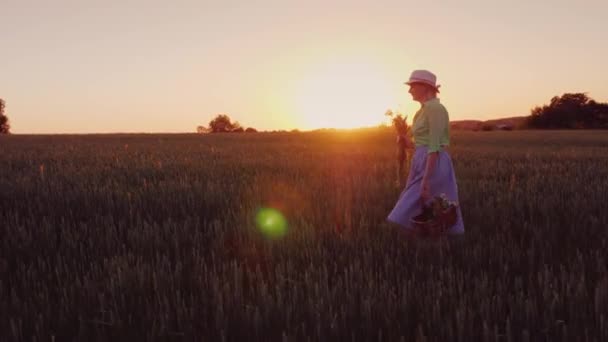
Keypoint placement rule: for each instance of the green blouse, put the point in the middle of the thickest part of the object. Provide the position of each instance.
(431, 126)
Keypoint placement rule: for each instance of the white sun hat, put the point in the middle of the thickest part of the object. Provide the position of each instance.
(424, 76)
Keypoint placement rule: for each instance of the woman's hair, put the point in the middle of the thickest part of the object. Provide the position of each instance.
(431, 89)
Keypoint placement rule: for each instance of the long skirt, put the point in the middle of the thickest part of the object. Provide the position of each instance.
(441, 181)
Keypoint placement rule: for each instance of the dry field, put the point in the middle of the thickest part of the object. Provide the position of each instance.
(154, 237)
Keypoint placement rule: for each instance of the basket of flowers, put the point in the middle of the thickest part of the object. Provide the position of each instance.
(437, 216)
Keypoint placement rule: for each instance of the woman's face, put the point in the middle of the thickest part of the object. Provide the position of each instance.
(418, 91)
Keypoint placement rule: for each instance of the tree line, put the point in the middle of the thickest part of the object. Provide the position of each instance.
(569, 111)
(5, 126)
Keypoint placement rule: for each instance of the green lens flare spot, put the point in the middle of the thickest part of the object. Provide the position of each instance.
(271, 223)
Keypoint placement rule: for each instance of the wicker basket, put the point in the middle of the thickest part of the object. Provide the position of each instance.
(436, 226)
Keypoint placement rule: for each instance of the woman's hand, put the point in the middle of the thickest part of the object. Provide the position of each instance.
(409, 143)
(405, 140)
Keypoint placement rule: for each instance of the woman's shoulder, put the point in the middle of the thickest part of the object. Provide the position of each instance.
(437, 107)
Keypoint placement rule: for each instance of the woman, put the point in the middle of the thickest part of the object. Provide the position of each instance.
(431, 172)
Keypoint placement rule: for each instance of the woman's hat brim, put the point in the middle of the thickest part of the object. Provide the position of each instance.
(436, 87)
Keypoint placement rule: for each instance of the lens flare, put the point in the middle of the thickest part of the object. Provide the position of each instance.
(271, 222)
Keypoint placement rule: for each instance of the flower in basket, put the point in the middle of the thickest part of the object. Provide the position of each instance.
(437, 216)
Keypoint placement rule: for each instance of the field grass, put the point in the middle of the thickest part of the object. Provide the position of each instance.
(153, 237)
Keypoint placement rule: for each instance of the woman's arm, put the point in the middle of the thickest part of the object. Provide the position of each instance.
(437, 122)
(431, 162)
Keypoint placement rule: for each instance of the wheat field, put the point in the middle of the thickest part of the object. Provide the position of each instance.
(154, 238)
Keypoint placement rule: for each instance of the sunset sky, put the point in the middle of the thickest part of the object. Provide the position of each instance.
(168, 66)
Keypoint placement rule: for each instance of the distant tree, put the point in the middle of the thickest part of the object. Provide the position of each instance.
(201, 129)
(221, 123)
(600, 112)
(251, 130)
(571, 110)
(5, 127)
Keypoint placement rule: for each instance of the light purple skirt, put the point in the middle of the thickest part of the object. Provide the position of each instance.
(443, 180)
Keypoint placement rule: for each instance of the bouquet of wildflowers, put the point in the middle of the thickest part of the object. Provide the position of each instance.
(399, 123)
(403, 132)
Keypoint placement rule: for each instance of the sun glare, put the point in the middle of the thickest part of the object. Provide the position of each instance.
(344, 94)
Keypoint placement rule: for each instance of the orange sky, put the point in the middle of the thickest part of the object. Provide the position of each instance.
(157, 66)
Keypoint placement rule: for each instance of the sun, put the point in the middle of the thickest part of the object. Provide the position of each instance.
(344, 94)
